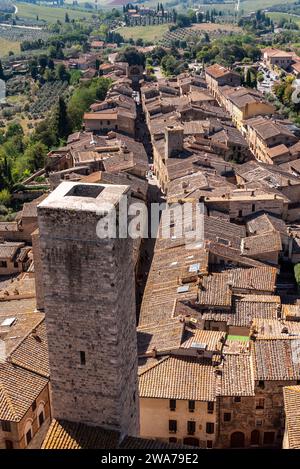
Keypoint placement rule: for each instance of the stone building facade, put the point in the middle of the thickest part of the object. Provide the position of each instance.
(89, 301)
(26, 432)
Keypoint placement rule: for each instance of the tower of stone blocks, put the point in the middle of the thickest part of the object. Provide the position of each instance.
(89, 300)
(173, 140)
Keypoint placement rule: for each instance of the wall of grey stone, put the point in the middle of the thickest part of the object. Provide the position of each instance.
(38, 270)
(89, 295)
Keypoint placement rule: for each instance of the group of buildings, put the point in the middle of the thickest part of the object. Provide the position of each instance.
(218, 332)
(213, 359)
(280, 59)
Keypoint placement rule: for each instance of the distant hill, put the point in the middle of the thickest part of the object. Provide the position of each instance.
(6, 6)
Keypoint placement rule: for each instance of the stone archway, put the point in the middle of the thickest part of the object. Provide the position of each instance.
(237, 440)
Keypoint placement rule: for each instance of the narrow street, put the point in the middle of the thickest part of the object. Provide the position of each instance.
(154, 196)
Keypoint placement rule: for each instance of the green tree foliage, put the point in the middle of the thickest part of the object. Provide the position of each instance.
(6, 178)
(227, 50)
(169, 64)
(14, 129)
(5, 197)
(297, 274)
(183, 21)
(251, 80)
(44, 133)
(157, 54)
(83, 97)
(60, 120)
(258, 24)
(75, 76)
(35, 154)
(61, 73)
(283, 91)
(132, 56)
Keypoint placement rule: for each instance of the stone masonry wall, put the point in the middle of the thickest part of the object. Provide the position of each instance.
(90, 308)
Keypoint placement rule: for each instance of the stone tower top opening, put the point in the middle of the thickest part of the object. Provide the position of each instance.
(84, 197)
(84, 190)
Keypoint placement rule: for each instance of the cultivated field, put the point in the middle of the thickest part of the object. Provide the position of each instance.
(211, 27)
(245, 6)
(7, 46)
(253, 5)
(147, 33)
(49, 14)
(277, 16)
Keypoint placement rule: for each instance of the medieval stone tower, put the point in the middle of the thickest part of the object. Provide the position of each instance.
(89, 298)
(174, 140)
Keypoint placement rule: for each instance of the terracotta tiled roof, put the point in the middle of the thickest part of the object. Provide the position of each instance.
(277, 53)
(30, 208)
(212, 339)
(291, 396)
(262, 222)
(237, 377)
(179, 378)
(32, 353)
(260, 244)
(162, 337)
(103, 115)
(274, 359)
(270, 176)
(214, 291)
(70, 435)
(131, 442)
(20, 325)
(267, 128)
(232, 255)
(255, 278)
(279, 150)
(8, 250)
(291, 312)
(8, 226)
(254, 306)
(168, 267)
(267, 328)
(18, 389)
(217, 71)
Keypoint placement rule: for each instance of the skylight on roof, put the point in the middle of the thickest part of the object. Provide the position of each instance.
(194, 267)
(183, 289)
(223, 241)
(8, 322)
(199, 345)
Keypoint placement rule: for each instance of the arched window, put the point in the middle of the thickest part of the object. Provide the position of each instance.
(28, 433)
(41, 413)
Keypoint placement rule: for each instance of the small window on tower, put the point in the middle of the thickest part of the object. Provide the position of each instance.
(82, 358)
